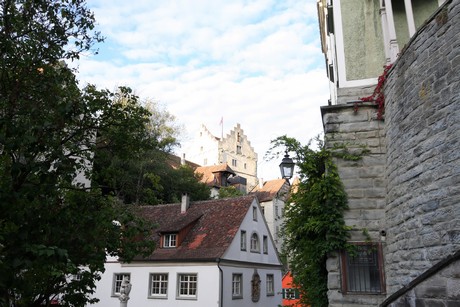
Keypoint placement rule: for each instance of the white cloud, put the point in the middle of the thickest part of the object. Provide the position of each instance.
(257, 63)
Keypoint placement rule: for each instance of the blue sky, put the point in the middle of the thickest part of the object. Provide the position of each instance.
(257, 63)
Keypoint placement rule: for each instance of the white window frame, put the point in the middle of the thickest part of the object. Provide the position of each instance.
(169, 240)
(270, 283)
(243, 240)
(189, 283)
(161, 284)
(255, 243)
(117, 280)
(237, 286)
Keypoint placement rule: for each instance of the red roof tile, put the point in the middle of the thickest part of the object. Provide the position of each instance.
(211, 226)
(270, 189)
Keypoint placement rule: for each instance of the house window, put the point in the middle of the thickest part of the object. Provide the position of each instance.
(237, 286)
(245, 166)
(243, 240)
(238, 149)
(362, 269)
(291, 294)
(255, 243)
(270, 285)
(170, 240)
(117, 280)
(158, 285)
(254, 213)
(265, 245)
(234, 162)
(277, 215)
(187, 285)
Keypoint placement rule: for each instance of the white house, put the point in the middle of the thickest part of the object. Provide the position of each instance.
(272, 196)
(208, 253)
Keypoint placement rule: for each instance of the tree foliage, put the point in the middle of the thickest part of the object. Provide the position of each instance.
(152, 176)
(314, 224)
(52, 225)
(230, 191)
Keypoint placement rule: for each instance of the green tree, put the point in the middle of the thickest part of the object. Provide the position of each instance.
(151, 177)
(314, 224)
(230, 191)
(52, 224)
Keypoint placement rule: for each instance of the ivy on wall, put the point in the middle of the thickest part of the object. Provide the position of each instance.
(314, 224)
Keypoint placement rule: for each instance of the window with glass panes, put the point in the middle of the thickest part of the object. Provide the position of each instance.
(270, 284)
(170, 240)
(187, 285)
(117, 280)
(255, 243)
(158, 284)
(237, 286)
(243, 240)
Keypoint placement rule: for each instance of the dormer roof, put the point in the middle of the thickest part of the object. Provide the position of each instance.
(210, 172)
(210, 227)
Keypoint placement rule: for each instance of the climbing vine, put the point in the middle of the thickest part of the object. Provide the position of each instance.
(378, 96)
(314, 224)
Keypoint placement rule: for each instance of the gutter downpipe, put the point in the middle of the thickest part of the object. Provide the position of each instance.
(221, 282)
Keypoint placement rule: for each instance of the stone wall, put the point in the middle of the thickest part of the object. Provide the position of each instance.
(439, 286)
(422, 96)
(363, 181)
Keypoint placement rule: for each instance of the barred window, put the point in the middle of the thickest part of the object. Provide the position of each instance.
(362, 269)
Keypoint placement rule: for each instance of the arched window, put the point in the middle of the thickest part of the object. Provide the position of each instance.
(255, 245)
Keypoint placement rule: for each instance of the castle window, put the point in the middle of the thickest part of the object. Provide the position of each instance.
(362, 269)
(234, 162)
(238, 149)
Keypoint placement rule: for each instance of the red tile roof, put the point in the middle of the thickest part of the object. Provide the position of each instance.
(209, 173)
(270, 189)
(210, 227)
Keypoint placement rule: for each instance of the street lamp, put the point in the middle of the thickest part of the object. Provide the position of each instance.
(287, 167)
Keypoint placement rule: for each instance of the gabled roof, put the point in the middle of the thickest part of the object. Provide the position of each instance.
(271, 189)
(209, 172)
(210, 227)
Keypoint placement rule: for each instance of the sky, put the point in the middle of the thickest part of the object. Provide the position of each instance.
(253, 62)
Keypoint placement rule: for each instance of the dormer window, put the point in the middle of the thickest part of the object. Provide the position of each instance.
(169, 240)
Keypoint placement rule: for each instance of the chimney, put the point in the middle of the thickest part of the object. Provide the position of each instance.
(261, 183)
(182, 160)
(185, 203)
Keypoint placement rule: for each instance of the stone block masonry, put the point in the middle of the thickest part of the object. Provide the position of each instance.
(422, 96)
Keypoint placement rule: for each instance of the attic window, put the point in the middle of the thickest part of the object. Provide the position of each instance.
(255, 245)
(170, 240)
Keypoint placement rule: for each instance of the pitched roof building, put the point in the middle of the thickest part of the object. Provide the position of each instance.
(234, 149)
(272, 196)
(208, 253)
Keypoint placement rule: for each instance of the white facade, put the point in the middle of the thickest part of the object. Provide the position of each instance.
(215, 280)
